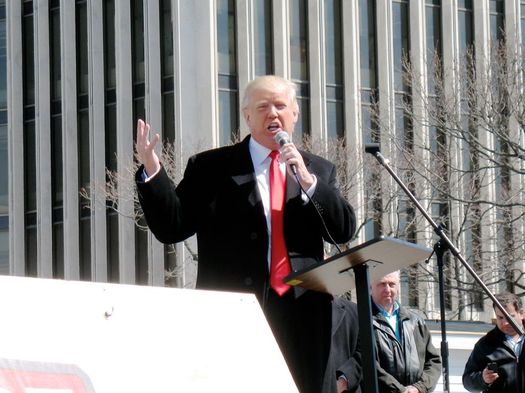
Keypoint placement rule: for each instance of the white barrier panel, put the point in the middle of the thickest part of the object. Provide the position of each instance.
(80, 337)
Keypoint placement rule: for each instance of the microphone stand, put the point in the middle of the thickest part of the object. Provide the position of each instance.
(441, 246)
(440, 249)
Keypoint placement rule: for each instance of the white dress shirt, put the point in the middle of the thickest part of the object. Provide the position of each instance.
(261, 164)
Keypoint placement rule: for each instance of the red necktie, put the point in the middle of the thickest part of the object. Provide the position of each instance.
(280, 265)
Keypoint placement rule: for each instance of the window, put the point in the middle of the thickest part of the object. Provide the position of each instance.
(263, 44)
(83, 135)
(299, 63)
(334, 69)
(497, 20)
(369, 128)
(4, 218)
(466, 25)
(227, 64)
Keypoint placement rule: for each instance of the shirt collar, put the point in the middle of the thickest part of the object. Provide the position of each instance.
(385, 313)
(509, 338)
(258, 152)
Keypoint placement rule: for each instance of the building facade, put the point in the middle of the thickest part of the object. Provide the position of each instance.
(76, 75)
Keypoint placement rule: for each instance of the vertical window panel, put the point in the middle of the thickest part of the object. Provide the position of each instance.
(85, 248)
(84, 180)
(166, 31)
(137, 48)
(30, 199)
(28, 55)
(299, 39)
(369, 129)
(139, 111)
(3, 58)
(57, 193)
(112, 255)
(82, 48)
(466, 26)
(497, 20)
(368, 69)
(110, 85)
(29, 139)
(83, 139)
(227, 64)
(403, 130)
(31, 241)
(333, 42)
(401, 47)
(367, 44)
(56, 106)
(166, 38)
(299, 63)
(522, 21)
(4, 175)
(58, 244)
(110, 116)
(263, 44)
(334, 69)
(434, 42)
(109, 43)
(137, 58)
(141, 258)
(3, 120)
(55, 66)
(4, 245)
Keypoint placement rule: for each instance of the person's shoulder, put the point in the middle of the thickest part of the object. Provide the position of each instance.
(343, 305)
(487, 343)
(219, 153)
(317, 163)
(405, 312)
(493, 336)
(342, 301)
(314, 157)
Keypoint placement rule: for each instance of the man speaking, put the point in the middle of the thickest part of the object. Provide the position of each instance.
(256, 221)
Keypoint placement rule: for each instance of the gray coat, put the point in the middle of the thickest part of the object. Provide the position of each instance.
(345, 354)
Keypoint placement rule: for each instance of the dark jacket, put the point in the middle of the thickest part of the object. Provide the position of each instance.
(493, 348)
(345, 353)
(218, 200)
(413, 361)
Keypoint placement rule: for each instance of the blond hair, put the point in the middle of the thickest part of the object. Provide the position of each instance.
(270, 82)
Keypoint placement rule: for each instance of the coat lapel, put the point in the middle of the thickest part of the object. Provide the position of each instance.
(243, 174)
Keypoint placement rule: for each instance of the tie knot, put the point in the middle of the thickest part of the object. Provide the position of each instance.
(274, 154)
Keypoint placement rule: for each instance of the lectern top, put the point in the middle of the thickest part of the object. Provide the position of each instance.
(382, 255)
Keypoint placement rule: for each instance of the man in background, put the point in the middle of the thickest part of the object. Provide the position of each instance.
(407, 362)
(496, 362)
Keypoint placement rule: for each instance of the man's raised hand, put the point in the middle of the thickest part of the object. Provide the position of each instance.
(145, 148)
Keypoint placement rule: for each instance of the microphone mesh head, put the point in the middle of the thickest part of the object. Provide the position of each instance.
(282, 138)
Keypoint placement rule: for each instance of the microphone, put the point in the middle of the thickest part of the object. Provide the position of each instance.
(282, 138)
(372, 148)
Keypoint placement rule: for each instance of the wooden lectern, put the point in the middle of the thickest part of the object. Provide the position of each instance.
(355, 268)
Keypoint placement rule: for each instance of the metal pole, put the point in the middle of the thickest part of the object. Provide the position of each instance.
(440, 251)
(366, 329)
